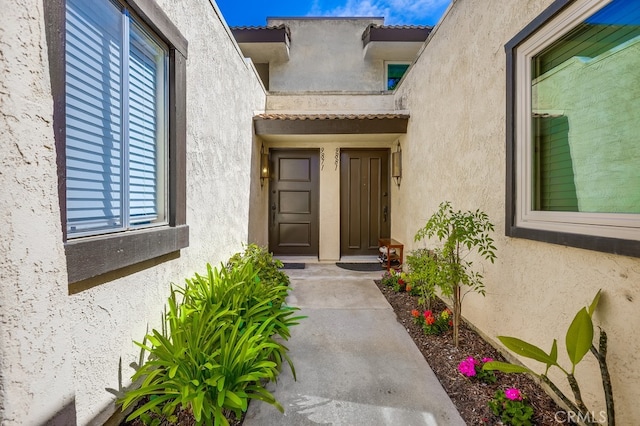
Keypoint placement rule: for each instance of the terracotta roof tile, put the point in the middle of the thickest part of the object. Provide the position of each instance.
(302, 117)
(270, 27)
(403, 27)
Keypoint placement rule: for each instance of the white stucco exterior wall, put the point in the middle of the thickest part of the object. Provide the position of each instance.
(326, 55)
(455, 150)
(59, 349)
(36, 366)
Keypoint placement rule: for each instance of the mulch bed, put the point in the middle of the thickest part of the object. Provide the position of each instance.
(469, 396)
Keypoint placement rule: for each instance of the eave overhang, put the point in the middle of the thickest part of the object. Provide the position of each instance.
(264, 44)
(393, 43)
(330, 124)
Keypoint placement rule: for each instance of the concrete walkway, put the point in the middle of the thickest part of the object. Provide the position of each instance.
(355, 364)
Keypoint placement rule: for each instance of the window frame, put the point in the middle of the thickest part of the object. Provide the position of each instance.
(386, 73)
(92, 256)
(609, 233)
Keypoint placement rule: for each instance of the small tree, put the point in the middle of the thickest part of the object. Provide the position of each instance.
(462, 233)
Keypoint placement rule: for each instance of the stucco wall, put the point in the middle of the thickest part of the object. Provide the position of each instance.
(455, 150)
(36, 367)
(330, 102)
(326, 55)
(54, 346)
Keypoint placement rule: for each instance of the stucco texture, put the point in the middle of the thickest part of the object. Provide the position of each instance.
(455, 150)
(35, 348)
(314, 67)
(59, 349)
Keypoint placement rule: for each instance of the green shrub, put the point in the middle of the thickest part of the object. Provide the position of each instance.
(267, 267)
(217, 347)
(421, 271)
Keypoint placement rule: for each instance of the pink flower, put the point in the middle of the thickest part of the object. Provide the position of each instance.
(513, 394)
(485, 360)
(427, 314)
(467, 367)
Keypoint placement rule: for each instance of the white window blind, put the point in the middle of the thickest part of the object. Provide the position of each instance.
(115, 121)
(146, 98)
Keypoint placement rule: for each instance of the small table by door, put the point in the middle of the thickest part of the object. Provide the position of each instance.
(394, 251)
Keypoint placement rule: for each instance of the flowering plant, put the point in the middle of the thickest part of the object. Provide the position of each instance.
(471, 367)
(433, 324)
(511, 406)
(395, 279)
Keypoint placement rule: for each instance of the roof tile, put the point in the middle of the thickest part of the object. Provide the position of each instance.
(302, 117)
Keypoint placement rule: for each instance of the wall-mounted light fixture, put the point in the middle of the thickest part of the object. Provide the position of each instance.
(396, 165)
(264, 165)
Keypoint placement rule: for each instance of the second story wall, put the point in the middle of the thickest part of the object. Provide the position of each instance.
(326, 55)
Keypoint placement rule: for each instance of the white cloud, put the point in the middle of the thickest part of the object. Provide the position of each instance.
(394, 11)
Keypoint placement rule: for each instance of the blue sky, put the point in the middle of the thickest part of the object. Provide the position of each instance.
(395, 12)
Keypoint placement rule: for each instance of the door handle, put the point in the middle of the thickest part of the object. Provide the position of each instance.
(273, 214)
(385, 212)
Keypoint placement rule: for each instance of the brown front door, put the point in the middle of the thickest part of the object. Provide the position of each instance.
(364, 200)
(293, 202)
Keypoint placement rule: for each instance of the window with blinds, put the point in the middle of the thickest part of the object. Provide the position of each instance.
(116, 121)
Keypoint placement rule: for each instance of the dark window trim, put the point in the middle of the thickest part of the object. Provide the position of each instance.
(589, 242)
(93, 256)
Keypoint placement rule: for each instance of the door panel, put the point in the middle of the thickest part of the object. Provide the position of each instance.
(293, 202)
(364, 200)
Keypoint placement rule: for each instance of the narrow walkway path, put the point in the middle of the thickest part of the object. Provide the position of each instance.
(355, 363)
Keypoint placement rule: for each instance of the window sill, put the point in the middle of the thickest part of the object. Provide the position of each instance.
(588, 242)
(90, 257)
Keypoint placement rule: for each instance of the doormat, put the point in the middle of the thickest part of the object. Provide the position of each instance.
(293, 266)
(360, 267)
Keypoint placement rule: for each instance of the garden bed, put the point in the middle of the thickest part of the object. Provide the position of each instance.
(470, 396)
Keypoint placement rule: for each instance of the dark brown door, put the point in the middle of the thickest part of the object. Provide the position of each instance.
(364, 200)
(293, 202)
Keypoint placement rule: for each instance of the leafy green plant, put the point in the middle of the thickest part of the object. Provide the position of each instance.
(462, 233)
(511, 406)
(217, 346)
(267, 268)
(421, 266)
(394, 279)
(578, 341)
